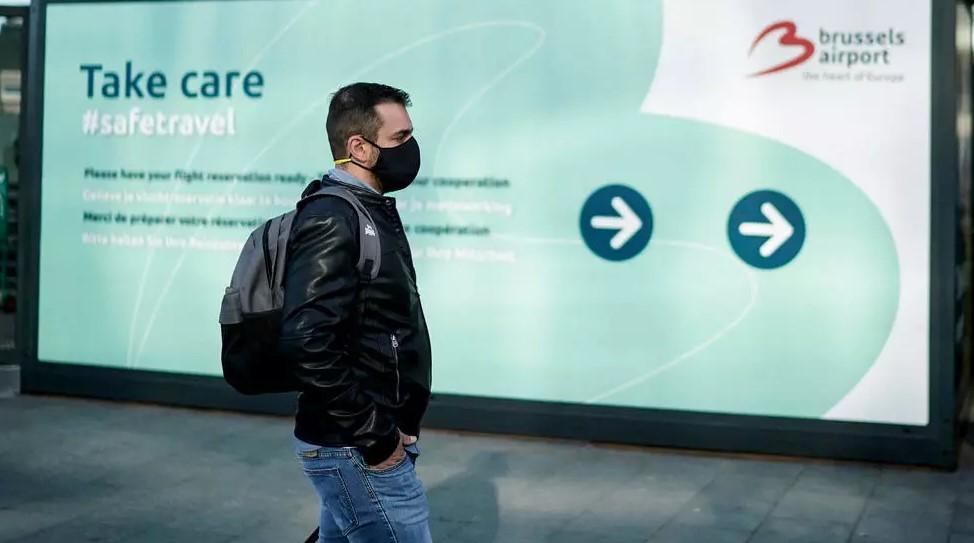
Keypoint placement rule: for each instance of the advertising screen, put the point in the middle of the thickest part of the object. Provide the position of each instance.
(714, 206)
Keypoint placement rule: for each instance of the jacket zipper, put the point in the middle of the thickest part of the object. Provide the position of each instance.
(395, 357)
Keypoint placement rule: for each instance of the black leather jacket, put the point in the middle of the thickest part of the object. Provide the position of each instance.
(360, 349)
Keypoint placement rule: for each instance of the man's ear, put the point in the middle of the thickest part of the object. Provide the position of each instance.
(359, 149)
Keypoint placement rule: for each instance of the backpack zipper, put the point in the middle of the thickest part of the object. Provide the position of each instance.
(395, 357)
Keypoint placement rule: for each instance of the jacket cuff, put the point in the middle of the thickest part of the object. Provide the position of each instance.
(381, 450)
(410, 430)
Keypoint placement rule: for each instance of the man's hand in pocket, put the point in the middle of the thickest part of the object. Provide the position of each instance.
(398, 454)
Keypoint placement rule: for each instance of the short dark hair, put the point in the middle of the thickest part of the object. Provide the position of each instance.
(352, 111)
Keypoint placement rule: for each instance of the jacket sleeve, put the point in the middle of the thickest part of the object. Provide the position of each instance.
(320, 287)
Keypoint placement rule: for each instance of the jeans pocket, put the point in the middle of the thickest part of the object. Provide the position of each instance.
(412, 451)
(405, 460)
(331, 488)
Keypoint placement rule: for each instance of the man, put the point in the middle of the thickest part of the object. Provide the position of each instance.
(360, 348)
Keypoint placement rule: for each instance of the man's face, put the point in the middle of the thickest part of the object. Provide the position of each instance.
(396, 126)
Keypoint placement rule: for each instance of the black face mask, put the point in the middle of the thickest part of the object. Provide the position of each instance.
(396, 166)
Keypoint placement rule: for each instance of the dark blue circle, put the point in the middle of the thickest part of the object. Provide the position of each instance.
(599, 204)
(748, 247)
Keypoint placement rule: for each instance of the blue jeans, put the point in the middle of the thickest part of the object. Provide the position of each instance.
(361, 505)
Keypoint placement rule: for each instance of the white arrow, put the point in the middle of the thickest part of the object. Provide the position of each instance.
(627, 223)
(778, 230)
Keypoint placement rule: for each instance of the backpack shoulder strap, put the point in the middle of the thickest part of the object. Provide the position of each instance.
(370, 250)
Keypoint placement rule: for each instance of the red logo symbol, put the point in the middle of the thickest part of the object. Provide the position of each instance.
(789, 39)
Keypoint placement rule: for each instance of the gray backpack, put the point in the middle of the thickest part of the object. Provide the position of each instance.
(250, 315)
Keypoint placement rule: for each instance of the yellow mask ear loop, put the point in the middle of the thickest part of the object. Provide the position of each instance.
(341, 161)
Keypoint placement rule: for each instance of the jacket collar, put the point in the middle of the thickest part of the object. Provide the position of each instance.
(362, 194)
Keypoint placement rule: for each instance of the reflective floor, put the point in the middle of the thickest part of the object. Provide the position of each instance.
(78, 470)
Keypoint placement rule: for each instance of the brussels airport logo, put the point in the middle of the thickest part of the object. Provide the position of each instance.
(789, 39)
(833, 56)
